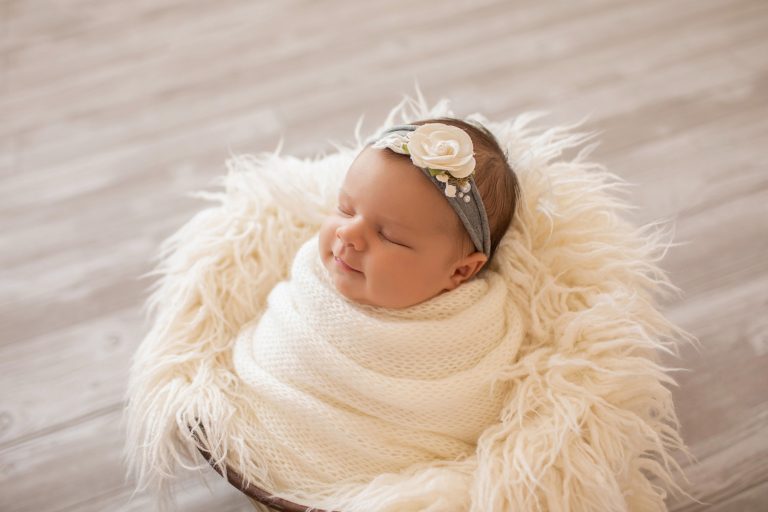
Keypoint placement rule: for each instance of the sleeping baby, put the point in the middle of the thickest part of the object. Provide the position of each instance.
(372, 370)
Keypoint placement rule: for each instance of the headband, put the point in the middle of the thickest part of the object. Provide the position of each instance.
(445, 155)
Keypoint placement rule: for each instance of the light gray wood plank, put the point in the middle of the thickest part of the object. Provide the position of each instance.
(737, 462)
(78, 468)
(751, 500)
(109, 113)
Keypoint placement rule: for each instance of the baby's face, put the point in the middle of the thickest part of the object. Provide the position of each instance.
(393, 240)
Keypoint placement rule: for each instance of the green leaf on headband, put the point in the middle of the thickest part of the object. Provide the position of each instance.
(405, 148)
(435, 172)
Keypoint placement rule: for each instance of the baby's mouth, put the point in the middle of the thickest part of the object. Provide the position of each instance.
(342, 264)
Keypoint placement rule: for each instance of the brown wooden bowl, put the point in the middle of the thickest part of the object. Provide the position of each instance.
(253, 492)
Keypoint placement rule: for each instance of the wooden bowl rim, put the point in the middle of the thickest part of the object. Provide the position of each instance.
(258, 494)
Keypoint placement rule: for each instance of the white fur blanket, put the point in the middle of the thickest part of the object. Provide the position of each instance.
(588, 422)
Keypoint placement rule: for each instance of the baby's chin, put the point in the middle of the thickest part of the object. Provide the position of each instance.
(343, 290)
(350, 290)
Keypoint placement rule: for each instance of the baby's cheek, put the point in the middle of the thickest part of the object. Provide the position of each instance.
(397, 282)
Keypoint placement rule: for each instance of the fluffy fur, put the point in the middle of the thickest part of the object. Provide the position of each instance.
(588, 423)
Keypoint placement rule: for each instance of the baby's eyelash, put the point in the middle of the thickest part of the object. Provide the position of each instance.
(392, 241)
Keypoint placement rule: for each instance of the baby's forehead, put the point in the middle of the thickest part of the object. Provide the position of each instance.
(389, 185)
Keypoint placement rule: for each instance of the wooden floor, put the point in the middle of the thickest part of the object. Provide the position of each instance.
(110, 112)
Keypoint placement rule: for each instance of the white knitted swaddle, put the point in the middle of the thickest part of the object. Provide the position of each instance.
(348, 391)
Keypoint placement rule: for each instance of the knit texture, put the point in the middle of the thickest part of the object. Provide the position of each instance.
(343, 391)
(586, 422)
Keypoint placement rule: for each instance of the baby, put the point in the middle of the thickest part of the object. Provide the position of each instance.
(401, 236)
(379, 353)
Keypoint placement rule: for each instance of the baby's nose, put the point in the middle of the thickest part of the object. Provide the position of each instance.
(351, 236)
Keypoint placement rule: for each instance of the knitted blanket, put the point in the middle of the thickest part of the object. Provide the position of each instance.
(586, 421)
(382, 389)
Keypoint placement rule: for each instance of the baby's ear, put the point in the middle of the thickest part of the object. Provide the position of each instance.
(466, 268)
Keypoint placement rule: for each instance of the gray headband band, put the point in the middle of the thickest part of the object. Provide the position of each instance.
(472, 213)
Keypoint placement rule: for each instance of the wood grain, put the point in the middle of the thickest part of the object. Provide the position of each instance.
(112, 112)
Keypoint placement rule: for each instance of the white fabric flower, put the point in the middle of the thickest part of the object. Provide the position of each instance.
(397, 142)
(443, 147)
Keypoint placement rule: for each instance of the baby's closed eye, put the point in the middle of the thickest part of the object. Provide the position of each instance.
(385, 237)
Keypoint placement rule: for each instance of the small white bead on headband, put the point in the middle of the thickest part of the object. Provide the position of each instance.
(445, 154)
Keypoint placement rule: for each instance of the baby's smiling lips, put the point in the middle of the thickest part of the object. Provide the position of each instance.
(344, 264)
